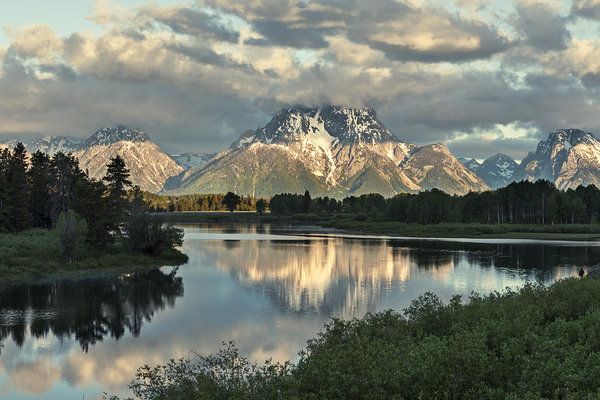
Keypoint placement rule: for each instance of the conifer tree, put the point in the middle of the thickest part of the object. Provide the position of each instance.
(66, 173)
(117, 180)
(4, 189)
(40, 174)
(18, 200)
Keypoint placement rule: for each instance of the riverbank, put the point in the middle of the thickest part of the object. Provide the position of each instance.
(35, 254)
(491, 231)
(349, 224)
(537, 342)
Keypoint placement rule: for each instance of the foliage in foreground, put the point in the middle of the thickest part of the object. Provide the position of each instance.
(534, 343)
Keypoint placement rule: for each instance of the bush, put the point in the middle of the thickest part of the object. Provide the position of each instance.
(71, 231)
(148, 235)
(534, 343)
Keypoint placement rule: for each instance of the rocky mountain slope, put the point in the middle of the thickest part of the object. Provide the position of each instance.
(150, 167)
(434, 166)
(333, 151)
(192, 160)
(497, 171)
(569, 157)
(471, 163)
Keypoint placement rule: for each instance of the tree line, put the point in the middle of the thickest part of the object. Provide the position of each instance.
(522, 202)
(199, 202)
(52, 192)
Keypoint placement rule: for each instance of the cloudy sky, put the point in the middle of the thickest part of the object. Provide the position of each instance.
(483, 76)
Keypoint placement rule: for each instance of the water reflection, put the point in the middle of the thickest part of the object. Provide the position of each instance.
(270, 288)
(86, 310)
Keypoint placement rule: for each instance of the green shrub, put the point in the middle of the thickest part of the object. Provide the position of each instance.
(533, 343)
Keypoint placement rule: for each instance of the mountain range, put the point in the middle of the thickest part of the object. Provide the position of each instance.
(331, 151)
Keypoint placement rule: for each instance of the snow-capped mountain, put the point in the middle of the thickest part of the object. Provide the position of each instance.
(471, 163)
(150, 166)
(434, 166)
(55, 144)
(48, 144)
(334, 151)
(497, 171)
(569, 157)
(192, 160)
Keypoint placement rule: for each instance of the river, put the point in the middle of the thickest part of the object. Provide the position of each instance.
(268, 288)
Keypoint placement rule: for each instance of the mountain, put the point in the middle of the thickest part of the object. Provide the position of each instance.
(569, 157)
(192, 160)
(150, 167)
(471, 163)
(55, 144)
(497, 171)
(330, 151)
(434, 166)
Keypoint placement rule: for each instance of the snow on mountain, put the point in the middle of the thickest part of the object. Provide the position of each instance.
(150, 167)
(434, 166)
(569, 157)
(334, 151)
(471, 163)
(55, 144)
(192, 160)
(497, 171)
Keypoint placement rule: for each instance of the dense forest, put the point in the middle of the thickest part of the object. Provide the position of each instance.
(523, 202)
(53, 193)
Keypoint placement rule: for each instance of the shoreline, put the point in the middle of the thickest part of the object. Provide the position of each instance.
(33, 255)
(563, 232)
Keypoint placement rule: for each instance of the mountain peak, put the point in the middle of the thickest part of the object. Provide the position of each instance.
(333, 123)
(117, 133)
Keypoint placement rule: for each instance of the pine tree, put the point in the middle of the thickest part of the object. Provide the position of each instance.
(4, 190)
(306, 202)
(117, 179)
(66, 173)
(40, 175)
(18, 202)
(91, 203)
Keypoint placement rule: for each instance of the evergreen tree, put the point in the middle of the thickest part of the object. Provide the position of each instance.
(117, 180)
(306, 202)
(66, 171)
(40, 175)
(18, 200)
(4, 189)
(91, 203)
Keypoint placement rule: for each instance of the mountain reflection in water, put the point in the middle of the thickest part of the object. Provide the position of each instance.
(269, 288)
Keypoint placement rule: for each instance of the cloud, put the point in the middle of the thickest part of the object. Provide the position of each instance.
(586, 9)
(540, 26)
(400, 30)
(35, 41)
(195, 77)
(189, 21)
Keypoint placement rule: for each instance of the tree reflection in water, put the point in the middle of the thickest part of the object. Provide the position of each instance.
(87, 309)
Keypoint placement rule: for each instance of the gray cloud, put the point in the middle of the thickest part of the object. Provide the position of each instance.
(195, 83)
(541, 27)
(401, 31)
(192, 22)
(586, 9)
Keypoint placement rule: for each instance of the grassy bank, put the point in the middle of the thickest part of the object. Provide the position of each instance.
(533, 343)
(354, 225)
(36, 253)
(502, 231)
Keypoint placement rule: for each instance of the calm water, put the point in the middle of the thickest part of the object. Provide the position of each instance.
(267, 288)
